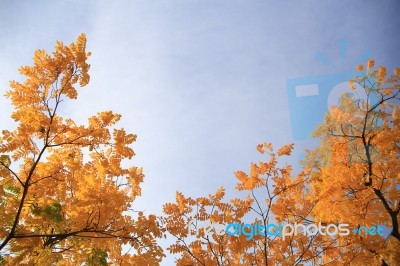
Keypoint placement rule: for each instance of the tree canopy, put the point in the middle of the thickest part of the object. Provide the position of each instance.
(66, 197)
(64, 192)
(351, 181)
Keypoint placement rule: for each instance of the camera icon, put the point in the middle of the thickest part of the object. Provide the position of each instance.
(309, 101)
(310, 98)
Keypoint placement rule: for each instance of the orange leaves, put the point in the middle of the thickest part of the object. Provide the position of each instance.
(396, 116)
(265, 145)
(121, 140)
(381, 73)
(241, 176)
(360, 68)
(260, 148)
(176, 248)
(358, 143)
(246, 182)
(351, 85)
(180, 199)
(355, 168)
(66, 67)
(370, 63)
(219, 194)
(170, 208)
(71, 180)
(285, 150)
(108, 118)
(119, 136)
(68, 182)
(201, 219)
(254, 170)
(256, 177)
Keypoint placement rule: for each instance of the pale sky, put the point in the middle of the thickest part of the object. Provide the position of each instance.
(201, 82)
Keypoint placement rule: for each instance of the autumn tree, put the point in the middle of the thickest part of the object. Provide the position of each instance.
(358, 165)
(65, 196)
(351, 179)
(188, 218)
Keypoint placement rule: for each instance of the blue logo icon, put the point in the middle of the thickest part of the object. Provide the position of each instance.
(310, 97)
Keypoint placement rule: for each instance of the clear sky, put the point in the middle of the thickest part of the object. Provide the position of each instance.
(201, 82)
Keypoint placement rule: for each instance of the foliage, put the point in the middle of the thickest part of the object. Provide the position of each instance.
(67, 199)
(351, 178)
(64, 193)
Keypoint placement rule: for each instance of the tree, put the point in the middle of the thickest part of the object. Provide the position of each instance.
(362, 139)
(65, 196)
(198, 245)
(348, 187)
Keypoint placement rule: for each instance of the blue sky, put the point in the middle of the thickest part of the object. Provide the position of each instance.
(200, 82)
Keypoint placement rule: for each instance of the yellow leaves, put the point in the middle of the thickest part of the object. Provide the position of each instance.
(59, 72)
(220, 193)
(329, 189)
(387, 91)
(370, 63)
(260, 148)
(108, 118)
(104, 163)
(265, 167)
(119, 135)
(257, 171)
(265, 145)
(203, 201)
(70, 91)
(78, 167)
(182, 205)
(360, 68)
(121, 140)
(95, 189)
(45, 256)
(41, 58)
(176, 248)
(5, 161)
(285, 150)
(198, 228)
(135, 177)
(381, 74)
(337, 189)
(81, 43)
(241, 176)
(254, 170)
(396, 116)
(180, 199)
(267, 202)
(30, 118)
(351, 85)
(78, 50)
(246, 183)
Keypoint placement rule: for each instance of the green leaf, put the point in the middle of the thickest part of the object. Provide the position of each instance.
(5, 161)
